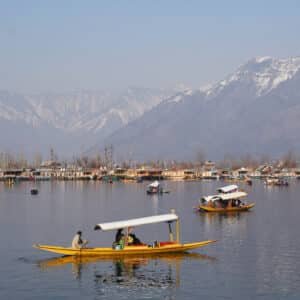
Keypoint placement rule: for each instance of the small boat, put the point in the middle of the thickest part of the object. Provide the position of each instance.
(228, 200)
(244, 207)
(276, 181)
(156, 248)
(156, 188)
(34, 191)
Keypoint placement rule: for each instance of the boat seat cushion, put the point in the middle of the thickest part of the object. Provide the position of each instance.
(161, 244)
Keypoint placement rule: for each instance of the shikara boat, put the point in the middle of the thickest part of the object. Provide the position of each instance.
(156, 188)
(276, 181)
(156, 248)
(244, 207)
(228, 200)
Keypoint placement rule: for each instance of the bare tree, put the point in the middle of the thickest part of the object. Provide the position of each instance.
(200, 158)
(289, 160)
(37, 160)
(265, 159)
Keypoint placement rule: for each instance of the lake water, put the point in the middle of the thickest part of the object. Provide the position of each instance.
(257, 255)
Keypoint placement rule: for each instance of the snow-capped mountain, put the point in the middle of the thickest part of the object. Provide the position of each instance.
(80, 118)
(88, 111)
(260, 75)
(254, 110)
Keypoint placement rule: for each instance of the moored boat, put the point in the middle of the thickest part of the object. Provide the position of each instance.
(173, 245)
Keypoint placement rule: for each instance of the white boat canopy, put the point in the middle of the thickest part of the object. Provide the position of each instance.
(235, 195)
(228, 188)
(228, 196)
(211, 198)
(136, 222)
(154, 184)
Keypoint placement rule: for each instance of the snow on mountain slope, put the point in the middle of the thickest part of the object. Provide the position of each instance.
(262, 74)
(78, 118)
(180, 121)
(238, 115)
(81, 111)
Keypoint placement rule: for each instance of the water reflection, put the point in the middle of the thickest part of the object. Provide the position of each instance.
(154, 199)
(224, 218)
(165, 269)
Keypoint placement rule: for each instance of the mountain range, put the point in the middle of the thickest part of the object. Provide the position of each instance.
(72, 122)
(255, 110)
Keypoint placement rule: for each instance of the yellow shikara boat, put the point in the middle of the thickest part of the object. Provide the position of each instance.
(227, 209)
(171, 246)
(228, 200)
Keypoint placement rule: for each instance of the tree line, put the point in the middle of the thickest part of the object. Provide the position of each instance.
(18, 161)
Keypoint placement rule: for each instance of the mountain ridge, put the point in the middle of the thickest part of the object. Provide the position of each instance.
(230, 117)
(254, 109)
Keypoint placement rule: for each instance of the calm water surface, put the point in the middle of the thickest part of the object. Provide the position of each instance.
(257, 255)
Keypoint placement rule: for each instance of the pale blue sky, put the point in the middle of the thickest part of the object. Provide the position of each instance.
(71, 45)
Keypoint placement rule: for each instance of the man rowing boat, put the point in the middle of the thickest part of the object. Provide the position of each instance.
(78, 242)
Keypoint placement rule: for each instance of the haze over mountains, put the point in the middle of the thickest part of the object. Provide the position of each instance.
(255, 110)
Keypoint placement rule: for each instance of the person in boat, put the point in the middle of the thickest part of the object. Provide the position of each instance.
(78, 242)
(132, 238)
(119, 238)
(119, 235)
(236, 203)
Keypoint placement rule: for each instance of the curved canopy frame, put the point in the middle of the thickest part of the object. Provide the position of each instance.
(136, 222)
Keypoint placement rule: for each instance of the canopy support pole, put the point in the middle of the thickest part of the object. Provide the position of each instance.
(177, 232)
(171, 238)
(126, 236)
(177, 229)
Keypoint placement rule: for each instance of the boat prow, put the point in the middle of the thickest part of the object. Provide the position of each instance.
(158, 248)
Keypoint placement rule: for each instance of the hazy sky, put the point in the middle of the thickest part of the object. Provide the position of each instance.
(69, 45)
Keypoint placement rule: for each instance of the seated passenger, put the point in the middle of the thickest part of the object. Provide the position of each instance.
(132, 239)
(119, 236)
(119, 239)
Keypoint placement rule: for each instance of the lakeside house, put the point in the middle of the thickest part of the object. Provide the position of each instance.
(54, 171)
(150, 174)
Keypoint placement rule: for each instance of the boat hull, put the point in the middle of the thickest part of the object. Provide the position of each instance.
(127, 251)
(224, 210)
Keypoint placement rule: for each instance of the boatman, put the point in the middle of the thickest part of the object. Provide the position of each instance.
(78, 242)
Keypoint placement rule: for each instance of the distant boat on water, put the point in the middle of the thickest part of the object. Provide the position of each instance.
(34, 191)
(276, 181)
(156, 188)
